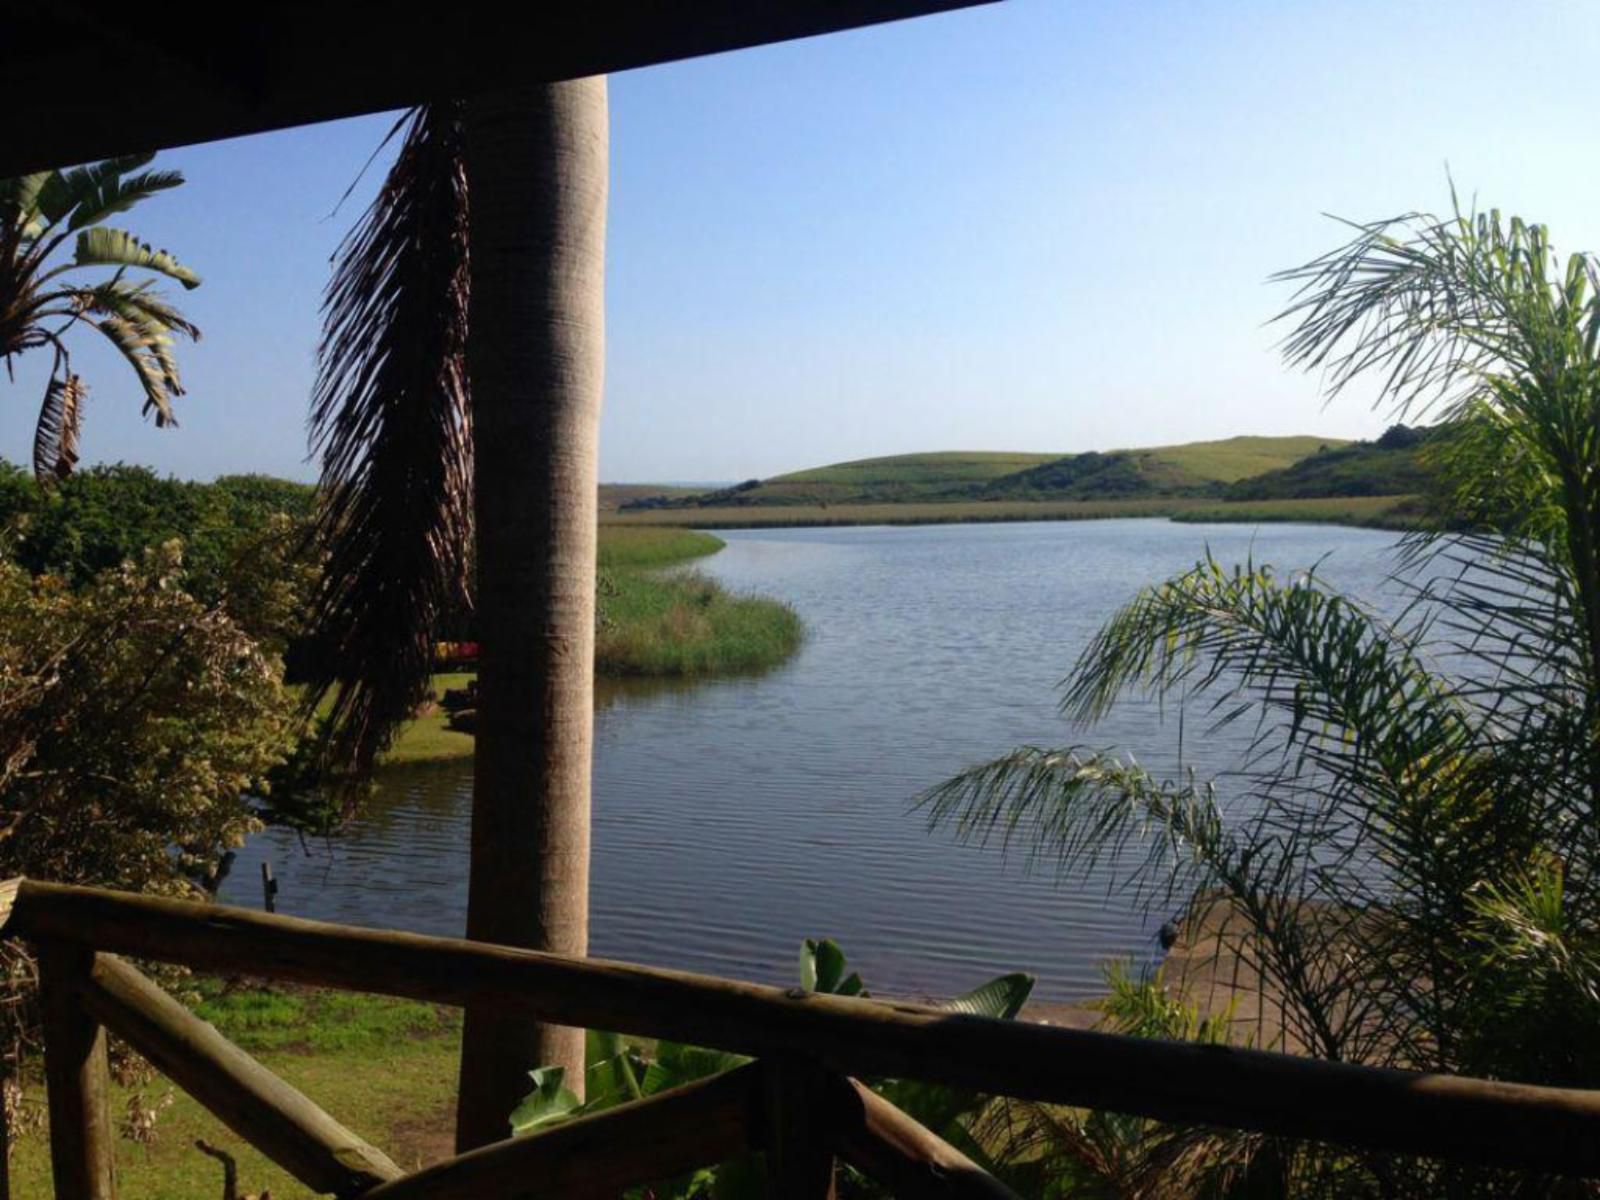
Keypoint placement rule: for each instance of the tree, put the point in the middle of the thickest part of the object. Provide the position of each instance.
(200, 717)
(481, 262)
(1410, 862)
(39, 306)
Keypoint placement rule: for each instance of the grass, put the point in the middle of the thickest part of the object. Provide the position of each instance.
(385, 1067)
(429, 738)
(1373, 512)
(1235, 458)
(1385, 511)
(686, 624)
(654, 623)
(630, 548)
(950, 466)
(949, 476)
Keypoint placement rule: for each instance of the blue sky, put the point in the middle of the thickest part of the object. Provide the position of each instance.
(1041, 225)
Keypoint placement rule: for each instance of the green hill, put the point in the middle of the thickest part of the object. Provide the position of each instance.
(1236, 458)
(1193, 469)
(1394, 465)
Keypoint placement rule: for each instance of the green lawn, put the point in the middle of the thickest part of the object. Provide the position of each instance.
(384, 1067)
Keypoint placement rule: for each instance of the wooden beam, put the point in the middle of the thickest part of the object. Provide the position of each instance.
(597, 1157)
(795, 1133)
(76, 1079)
(265, 1111)
(910, 1160)
(226, 70)
(1471, 1120)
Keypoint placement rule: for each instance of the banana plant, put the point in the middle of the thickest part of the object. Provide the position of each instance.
(51, 226)
(618, 1071)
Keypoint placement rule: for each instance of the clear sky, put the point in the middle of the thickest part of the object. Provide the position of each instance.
(1039, 225)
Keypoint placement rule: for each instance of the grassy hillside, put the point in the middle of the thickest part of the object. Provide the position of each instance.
(937, 469)
(1197, 468)
(1391, 466)
(1236, 458)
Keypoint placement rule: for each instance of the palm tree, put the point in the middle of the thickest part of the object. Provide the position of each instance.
(1409, 861)
(40, 304)
(459, 395)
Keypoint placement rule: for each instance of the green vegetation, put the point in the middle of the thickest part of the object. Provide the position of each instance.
(1409, 865)
(385, 1067)
(1397, 464)
(957, 477)
(616, 1072)
(657, 622)
(686, 624)
(1390, 512)
(623, 548)
(652, 622)
(1231, 459)
(428, 737)
(41, 302)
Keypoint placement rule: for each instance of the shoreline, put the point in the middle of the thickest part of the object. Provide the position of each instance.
(672, 626)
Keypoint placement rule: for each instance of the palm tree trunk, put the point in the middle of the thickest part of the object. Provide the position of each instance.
(536, 177)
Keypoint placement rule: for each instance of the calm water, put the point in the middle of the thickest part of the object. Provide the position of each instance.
(734, 818)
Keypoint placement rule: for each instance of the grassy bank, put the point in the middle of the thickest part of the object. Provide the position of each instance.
(1381, 511)
(686, 624)
(653, 622)
(385, 1067)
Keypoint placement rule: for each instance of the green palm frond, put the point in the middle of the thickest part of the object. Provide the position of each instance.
(55, 438)
(1350, 693)
(1074, 807)
(390, 421)
(64, 192)
(115, 248)
(115, 194)
(39, 214)
(19, 203)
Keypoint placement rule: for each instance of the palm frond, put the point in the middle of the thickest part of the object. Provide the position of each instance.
(19, 203)
(147, 348)
(117, 248)
(64, 191)
(1075, 808)
(55, 438)
(138, 303)
(115, 194)
(389, 418)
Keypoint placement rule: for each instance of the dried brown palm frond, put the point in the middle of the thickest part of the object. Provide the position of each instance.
(55, 438)
(389, 419)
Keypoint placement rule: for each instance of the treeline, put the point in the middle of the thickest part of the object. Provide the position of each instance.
(98, 518)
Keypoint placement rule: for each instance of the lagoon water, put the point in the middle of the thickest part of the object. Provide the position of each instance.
(734, 818)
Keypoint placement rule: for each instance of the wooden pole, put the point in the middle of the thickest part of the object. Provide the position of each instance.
(1551, 1130)
(249, 1099)
(77, 1081)
(795, 1131)
(597, 1157)
(911, 1161)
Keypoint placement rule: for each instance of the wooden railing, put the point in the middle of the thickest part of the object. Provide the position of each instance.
(797, 1103)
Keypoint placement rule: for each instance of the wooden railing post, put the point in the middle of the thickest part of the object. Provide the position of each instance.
(77, 1081)
(796, 1132)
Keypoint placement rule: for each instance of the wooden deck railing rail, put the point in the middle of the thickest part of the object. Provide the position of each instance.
(797, 1102)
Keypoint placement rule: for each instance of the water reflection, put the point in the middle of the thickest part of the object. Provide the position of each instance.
(736, 817)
